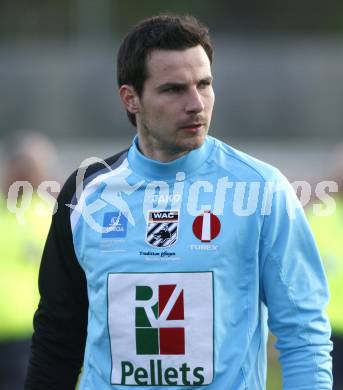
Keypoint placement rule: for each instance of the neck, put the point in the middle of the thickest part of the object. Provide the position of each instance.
(154, 152)
(143, 165)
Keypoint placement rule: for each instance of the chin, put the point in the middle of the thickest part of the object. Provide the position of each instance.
(190, 147)
(195, 143)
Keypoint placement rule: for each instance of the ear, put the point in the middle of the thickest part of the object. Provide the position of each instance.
(129, 98)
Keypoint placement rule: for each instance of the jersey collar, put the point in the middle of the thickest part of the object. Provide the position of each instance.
(188, 163)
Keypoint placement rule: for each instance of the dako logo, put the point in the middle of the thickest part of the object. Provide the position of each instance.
(154, 333)
(162, 228)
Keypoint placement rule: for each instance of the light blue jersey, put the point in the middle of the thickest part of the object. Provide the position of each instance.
(186, 262)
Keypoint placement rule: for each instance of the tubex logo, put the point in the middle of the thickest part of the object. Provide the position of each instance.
(206, 227)
(163, 340)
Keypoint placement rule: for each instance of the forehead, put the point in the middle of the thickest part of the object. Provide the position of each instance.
(178, 65)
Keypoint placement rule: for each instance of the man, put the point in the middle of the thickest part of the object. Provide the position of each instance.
(328, 231)
(161, 270)
(24, 222)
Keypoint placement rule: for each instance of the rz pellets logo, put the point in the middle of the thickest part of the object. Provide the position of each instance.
(152, 340)
(161, 328)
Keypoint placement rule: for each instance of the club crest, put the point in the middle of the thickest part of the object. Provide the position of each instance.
(162, 228)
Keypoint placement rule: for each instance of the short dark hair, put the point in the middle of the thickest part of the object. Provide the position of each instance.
(166, 32)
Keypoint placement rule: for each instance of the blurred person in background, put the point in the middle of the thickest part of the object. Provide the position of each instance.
(328, 231)
(24, 221)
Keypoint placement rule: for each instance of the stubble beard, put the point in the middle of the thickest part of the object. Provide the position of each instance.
(173, 146)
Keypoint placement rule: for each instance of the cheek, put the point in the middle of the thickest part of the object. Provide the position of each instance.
(211, 95)
(167, 109)
(151, 110)
(209, 102)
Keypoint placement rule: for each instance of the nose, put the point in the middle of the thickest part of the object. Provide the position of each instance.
(194, 101)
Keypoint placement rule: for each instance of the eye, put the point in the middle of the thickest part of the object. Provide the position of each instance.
(173, 89)
(204, 84)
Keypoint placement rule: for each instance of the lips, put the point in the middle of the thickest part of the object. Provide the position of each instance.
(192, 125)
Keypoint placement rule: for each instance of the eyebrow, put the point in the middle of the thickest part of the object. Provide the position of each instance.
(167, 85)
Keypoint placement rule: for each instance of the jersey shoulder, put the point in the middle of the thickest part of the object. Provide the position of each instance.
(89, 170)
(242, 165)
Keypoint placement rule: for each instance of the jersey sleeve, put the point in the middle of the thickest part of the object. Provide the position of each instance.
(294, 288)
(60, 321)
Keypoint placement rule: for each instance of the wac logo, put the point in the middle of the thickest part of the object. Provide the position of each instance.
(162, 228)
(168, 309)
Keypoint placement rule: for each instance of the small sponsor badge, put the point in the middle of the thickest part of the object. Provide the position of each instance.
(206, 227)
(114, 225)
(162, 228)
